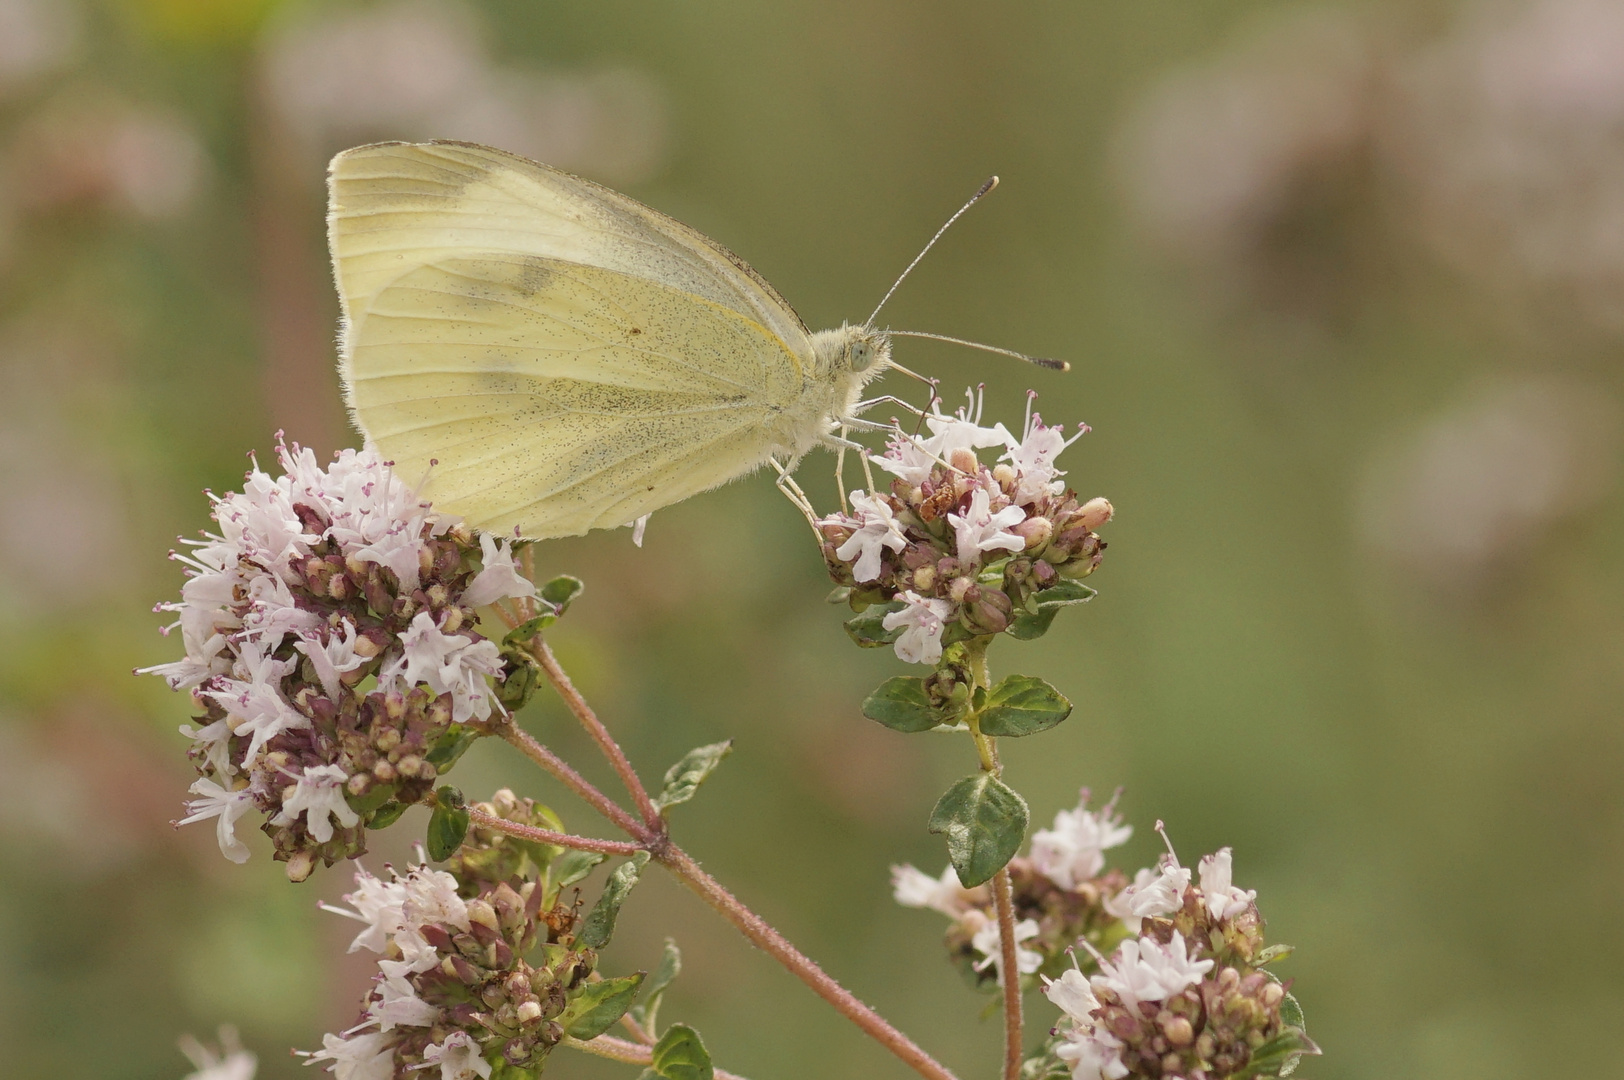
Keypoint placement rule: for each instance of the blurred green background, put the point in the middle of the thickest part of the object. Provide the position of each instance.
(1344, 291)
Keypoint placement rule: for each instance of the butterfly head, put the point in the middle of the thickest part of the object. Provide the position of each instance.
(852, 353)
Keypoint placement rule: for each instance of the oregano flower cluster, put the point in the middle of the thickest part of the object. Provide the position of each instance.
(1156, 977)
(957, 548)
(332, 653)
(488, 961)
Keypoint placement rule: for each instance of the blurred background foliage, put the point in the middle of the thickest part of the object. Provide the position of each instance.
(1344, 289)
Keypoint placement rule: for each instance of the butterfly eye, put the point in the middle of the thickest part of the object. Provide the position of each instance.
(861, 355)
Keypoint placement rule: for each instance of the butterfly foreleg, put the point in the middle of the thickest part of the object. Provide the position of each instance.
(792, 491)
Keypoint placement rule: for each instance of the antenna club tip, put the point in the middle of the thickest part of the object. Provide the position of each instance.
(992, 182)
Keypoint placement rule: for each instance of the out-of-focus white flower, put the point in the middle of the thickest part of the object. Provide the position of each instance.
(1480, 481)
(318, 794)
(914, 888)
(421, 69)
(922, 620)
(986, 941)
(877, 531)
(1073, 850)
(230, 1062)
(979, 530)
(214, 801)
(1212, 157)
(499, 577)
(458, 1058)
(36, 37)
(447, 664)
(1143, 969)
(366, 1056)
(1224, 901)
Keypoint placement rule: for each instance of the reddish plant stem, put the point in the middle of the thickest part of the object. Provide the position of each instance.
(547, 836)
(600, 734)
(775, 945)
(552, 763)
(1003, 894)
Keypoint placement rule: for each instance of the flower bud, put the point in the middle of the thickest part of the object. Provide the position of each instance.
(924, 578)
(1178, 1030)
(987, 611)
(300, 865)
(1093, 513)
(964, 460)
(481, 913)
(530, 1011)
(1005, 476)
(1036, 531)
(959, 588)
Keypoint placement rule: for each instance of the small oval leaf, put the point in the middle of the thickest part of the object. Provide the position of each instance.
(561, 591)
(599, 925)
(681, 1055)
(903, 704)
(984, 821)
(682, 780)
(447, 825)
(868, 629)
(1022, 705)
(596, 1006)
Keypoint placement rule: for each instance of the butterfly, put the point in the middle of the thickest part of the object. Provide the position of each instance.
(556, 357)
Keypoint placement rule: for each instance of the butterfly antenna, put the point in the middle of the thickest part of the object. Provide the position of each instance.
(1040, 361)
(991, 183)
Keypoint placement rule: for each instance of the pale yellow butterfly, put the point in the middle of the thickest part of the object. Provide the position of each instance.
(556, 357)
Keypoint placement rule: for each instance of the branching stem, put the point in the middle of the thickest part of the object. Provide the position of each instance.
(600, 734)
(547, 836)
(650, 835)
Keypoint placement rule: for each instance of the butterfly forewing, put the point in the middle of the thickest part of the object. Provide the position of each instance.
(566, 357)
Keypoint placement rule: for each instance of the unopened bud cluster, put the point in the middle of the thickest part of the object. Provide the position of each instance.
(965, 548)
(331, 651)
(476, 963)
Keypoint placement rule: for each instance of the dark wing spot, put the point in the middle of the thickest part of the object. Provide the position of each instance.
(535, 275)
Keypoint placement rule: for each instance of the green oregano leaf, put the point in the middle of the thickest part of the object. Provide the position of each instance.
(669, 968)
(599, 926)
(1022, 705)
(868, 629)
(595, 1007)
(984, 821)
(1043, 605)
(903, 704)
(450, 746)
(386, 815)
(571, 867)
(681, 1055)
(682, 780)
(561, 591)
(375, 796)
(448, 824)
(528, 629)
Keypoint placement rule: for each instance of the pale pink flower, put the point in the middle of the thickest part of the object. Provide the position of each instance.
(923, 620)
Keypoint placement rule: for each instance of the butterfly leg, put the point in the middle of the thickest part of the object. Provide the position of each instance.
(840, 472)
(792, 491)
